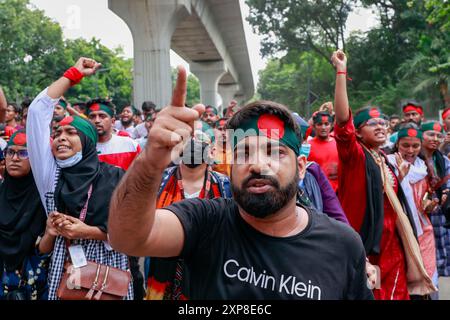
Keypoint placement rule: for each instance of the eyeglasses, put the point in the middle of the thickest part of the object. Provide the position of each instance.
(22, 154)
(432, 135)
(376, 122)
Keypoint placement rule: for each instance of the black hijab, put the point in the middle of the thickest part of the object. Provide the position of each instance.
(22, 219)
(73, 186)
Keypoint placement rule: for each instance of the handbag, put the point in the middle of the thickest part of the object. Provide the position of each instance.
(93, 281)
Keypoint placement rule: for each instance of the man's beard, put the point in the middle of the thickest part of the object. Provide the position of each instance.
(265, 204)
(126, 123)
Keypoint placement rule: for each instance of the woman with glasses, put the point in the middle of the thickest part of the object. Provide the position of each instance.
(411, 171)
(438, 169)
(373, 199)
(23, 271)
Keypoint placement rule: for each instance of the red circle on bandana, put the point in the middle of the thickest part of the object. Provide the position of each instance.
(95, 107)
(324, 119)
(273, 125)
(437, 127)
(412, 133)
(20, 139)
(374, 113)
(66, 121)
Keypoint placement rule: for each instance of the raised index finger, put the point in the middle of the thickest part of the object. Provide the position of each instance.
(179, 93)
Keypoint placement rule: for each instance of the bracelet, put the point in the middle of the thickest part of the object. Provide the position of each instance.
(74, 75)
(344, 73)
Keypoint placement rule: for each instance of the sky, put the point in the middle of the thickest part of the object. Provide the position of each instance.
(88, 18)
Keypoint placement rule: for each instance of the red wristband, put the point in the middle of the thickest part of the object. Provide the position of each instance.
(345, 73)
(74, 75)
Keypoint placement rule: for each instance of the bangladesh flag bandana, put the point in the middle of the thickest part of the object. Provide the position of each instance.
(100, 107)
(82, 125)
(409, 132)
(432, 126)
(322, 117)
(270, 126)
(367, 114)
(19, 138)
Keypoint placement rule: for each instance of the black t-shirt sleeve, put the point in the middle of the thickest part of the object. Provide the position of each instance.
(201, 219)
(358, 288)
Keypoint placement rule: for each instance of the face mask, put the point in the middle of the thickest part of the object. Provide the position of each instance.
(193, 154)
(72, 161)
(305, 150)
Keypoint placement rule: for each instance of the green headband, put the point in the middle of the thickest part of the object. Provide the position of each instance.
(100, 107)
(62, 103)
(19, 138)
(367, 114)
(409, 132)
(82, 125)
(432, 126)
(270, 126)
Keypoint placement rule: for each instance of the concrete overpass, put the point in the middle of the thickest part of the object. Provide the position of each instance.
(208, 34)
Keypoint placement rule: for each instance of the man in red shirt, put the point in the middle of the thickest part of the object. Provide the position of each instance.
(116, 150)
(323, 147)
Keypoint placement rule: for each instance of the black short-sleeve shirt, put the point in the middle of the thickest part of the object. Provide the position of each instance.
(228, 259)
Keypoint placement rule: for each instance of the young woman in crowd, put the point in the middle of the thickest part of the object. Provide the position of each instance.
(23, 270)
(70, 178)
(412, 174)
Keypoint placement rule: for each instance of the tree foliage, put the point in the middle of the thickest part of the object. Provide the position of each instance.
(405, 56)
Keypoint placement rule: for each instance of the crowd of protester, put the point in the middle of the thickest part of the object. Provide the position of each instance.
(257, 203)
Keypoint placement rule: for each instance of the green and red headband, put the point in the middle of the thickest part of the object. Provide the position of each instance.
(410, 132)
(321, 117)
(432, 126)
(270, 126)
(100, 107)
(19, 138)
(367, 114)
(411, 108)
(213, 109)
(82, 125)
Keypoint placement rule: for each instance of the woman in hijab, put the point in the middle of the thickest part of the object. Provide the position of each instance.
(22, 221)
(74, 186)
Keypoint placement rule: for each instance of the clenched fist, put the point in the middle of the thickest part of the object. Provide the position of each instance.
(87, 66)
(339, 60)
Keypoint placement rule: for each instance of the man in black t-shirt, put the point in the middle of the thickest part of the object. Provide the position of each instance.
(260, 245)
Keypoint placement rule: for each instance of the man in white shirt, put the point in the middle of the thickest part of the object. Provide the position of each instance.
(126, 121)
(113, 149)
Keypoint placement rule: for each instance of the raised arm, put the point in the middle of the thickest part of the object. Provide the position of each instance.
(135, 227)
(3, 106)
(39, 117)
(341, 106)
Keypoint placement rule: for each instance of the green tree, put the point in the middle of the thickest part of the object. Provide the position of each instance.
(286, 82)
(114, 80)
(31, 49)
(193, 88)
(300, 25)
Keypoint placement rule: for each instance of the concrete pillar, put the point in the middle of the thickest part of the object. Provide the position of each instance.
(227, 92)
(152, 23)
(209, 74)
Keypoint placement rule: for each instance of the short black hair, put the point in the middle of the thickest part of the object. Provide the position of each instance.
(257, 108)
(26, 103)
(148, 106)
(412, 102)
(17, 108)
(394, 116)
(81, 105)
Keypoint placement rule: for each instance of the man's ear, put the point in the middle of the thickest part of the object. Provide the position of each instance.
(301, 166)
